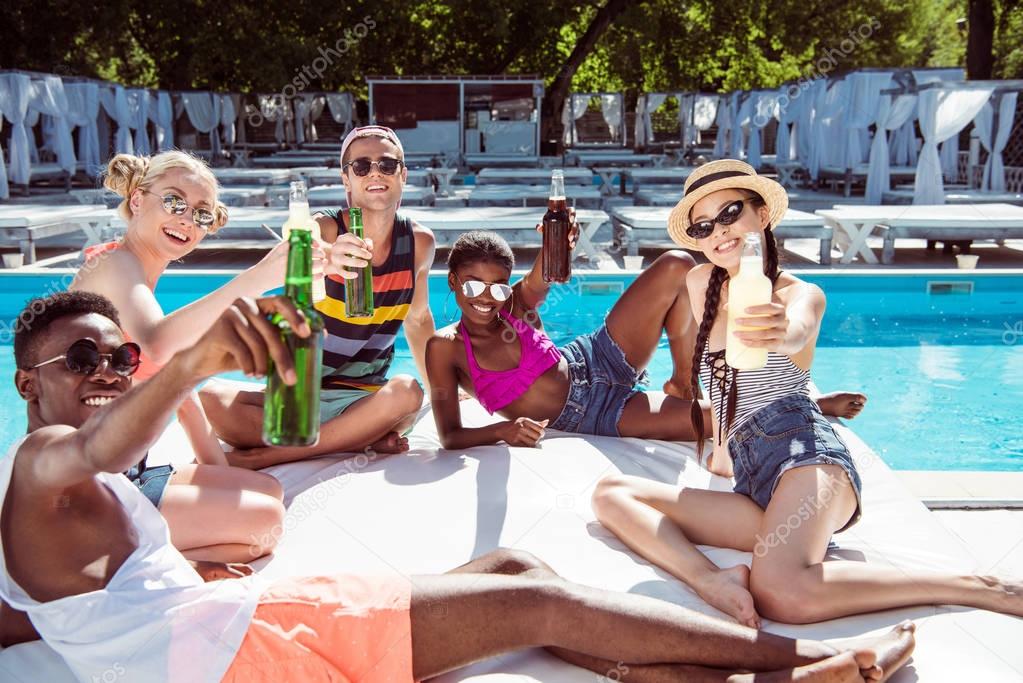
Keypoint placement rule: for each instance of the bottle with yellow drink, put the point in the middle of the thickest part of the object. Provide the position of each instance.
(750, 287)
(299, 218)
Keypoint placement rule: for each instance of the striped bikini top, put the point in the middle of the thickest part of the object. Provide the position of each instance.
(754, 388)
(357, 352)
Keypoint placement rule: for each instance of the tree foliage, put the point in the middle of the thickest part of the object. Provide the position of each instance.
(653, 45)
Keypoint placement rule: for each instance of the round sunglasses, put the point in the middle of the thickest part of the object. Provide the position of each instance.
(83, 358)
(362, 166)
(475, 288)
(175, 205)
(728, 215)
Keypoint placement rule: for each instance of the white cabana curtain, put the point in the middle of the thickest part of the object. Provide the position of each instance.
(807, 102)
(763, 108)
(115, 104)
(611, 110)
(649, 103)
(943, 113)
(47, 97)
(829, 111)
(740, 109)
(274, 108)
(227, 118)
(161, 113)
(31, 121)
(994, 142)
(83, 112)
(340, 106)
(891, 115)
(574, 109)
(15, 93)
(138, 112)
(203, 109)
(723, 119)
(700, 114)
(864, 97)
(949, 151)
(787, 113)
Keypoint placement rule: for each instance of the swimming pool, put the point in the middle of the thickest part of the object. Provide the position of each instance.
(939, 354)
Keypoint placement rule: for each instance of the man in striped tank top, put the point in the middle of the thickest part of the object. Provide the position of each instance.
(360, 406)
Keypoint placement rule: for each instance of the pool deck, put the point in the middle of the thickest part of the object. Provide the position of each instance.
(965, 490)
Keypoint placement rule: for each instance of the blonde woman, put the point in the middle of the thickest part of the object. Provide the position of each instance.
(214, 511)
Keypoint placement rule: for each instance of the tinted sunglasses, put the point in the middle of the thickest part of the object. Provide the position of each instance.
(83, 358)
(728, 215)
(362, 166)
(177, 206)
(475, 288)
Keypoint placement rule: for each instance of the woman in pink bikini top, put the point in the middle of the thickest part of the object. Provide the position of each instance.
(499, 353)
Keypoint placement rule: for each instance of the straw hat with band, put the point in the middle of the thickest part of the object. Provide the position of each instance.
(370, 132)
(724, 174)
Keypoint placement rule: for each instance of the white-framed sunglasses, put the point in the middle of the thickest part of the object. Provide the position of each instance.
(474, 288)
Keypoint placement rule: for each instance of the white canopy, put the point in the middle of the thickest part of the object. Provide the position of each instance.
(161, 113)
(994, 142)
(138, 112)
(891, 115)
(48, 99)
(228, 114)
(611, 106)
(699, 114)
(864, 98)
(15, 93)
(341, 109)
(203, 109)
(646, 105)
(942, 114)
(83, 111)
(829, 111)
(115, 104)
(723, 119)
(949, 151)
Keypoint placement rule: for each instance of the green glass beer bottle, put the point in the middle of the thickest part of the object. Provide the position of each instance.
(359, 290)
(291, 414)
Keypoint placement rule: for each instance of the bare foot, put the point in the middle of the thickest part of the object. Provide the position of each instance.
(728, 591)
(679, 388)
(843, 668)
(844, 404)
(890, 652)
(392, 443)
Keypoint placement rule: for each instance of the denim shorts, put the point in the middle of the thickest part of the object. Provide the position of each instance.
(790, 432)
(152, 481)
(601, 383)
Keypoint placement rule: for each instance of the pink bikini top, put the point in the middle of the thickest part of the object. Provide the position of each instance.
(497, 388)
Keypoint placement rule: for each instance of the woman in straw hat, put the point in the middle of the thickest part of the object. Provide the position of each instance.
(796, 483)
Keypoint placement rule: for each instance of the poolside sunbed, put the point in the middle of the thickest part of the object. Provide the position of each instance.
(533, 195)
(446, 507)
(336, 196)
(253, 176)
(957, 196)
(26, 224)
(532, 176)
(858, 174)
(649, 225)
(935, 223)
(611, 157)
(517, 225)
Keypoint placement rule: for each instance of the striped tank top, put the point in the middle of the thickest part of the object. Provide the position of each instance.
(357, 352)
(754, 388)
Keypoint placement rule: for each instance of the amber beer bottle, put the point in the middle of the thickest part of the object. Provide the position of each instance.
(557, 257)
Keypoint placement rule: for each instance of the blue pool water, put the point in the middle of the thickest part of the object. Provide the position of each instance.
(940, 356)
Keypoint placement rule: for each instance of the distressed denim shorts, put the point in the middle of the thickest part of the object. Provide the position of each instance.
(787, 433)
(151, 481)
(602, 382)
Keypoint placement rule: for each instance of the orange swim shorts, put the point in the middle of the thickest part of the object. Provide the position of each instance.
(342, 628)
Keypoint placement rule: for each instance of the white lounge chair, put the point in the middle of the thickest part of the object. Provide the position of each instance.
(533, 195)
(649, 225)
(26, 224)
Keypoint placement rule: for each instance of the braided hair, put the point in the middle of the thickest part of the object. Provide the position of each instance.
(710, 309)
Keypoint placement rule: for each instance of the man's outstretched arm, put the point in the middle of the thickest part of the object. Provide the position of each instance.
(118, 435)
